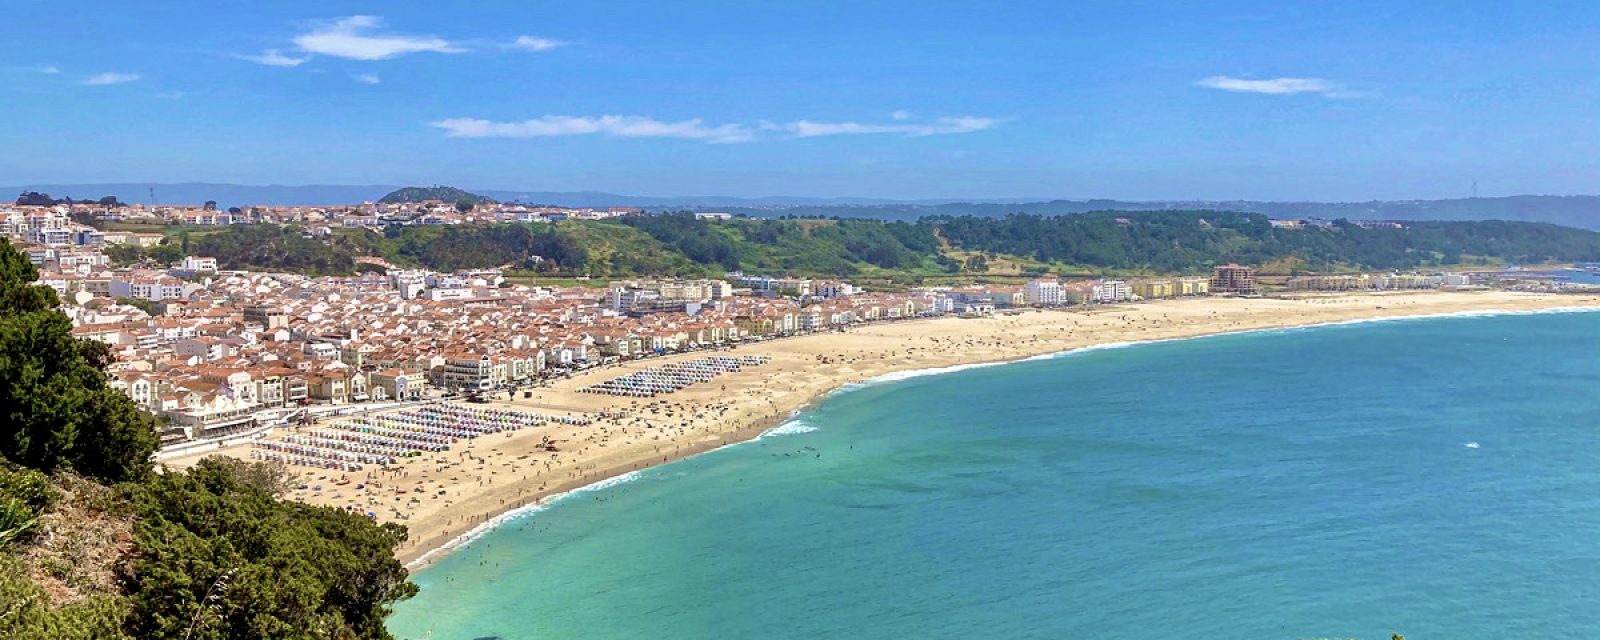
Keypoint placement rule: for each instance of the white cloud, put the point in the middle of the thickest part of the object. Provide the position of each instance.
(696, 129)
(111, 77)
(275, 58)
(616, 126)
(46, 69)
(1343, 94)
(352, 38)
(941, 126)
(534, 43)
(366, 78)
(1273, 86)
(901, 114)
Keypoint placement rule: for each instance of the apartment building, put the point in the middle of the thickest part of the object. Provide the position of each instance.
(1044, 292)
(1233, 278)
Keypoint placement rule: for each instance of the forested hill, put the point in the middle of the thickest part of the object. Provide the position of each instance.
(679, 244)
(437, 192)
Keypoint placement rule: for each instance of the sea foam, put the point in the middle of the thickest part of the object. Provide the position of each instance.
(789, 428)
(517, 514)
(900, 376)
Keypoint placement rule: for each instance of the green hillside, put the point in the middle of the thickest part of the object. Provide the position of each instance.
(1158, 242)
(436, 192)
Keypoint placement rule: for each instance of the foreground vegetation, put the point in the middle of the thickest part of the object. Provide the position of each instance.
(1111, 242)
(94, 543)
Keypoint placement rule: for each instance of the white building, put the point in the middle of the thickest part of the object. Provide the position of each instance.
(82, 262)
(1112, 291)
(205, 348)
(468, 371)
(410, 283)
(461, 293)
(39, 256)
(1043, 291)
(833, 289)
(50, 236)
(146, 287)
(196, 264)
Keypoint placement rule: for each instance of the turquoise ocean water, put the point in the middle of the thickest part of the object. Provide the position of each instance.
(1434, 477)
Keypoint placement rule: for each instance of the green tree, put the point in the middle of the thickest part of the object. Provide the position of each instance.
(220, 558)
(123, 254)
(271, 248)
(87, 219)
(27, 616)
(35, 198)
(138, 303)
(55, 404)
(165, 253)
(465, 204)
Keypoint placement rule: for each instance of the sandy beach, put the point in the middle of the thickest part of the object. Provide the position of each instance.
(476, 480)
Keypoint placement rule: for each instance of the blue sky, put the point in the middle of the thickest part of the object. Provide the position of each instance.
(1132, 100)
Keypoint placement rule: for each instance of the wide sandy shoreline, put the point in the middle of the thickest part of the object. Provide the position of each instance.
(468, 487)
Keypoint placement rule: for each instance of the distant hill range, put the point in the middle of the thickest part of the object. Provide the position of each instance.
(1572, 211)
(1567, 210)
(436, 192)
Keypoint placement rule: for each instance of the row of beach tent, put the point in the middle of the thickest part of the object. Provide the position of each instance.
(667, 378)
(381, 439)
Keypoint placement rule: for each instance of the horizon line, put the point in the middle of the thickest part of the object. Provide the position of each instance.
(844, 200)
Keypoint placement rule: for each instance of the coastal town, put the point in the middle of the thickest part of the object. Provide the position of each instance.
(217, 353)
(443, 398)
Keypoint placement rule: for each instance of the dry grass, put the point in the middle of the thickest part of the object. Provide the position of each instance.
(80, 544)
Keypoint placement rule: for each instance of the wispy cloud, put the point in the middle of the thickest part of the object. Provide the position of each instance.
(275, 58)
(111, 77)
(353, 38)
(697, 129)
(1271, 86)
(900, 114)
(366, 78)
(938, 127)
(535, 43)
(616, 126)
